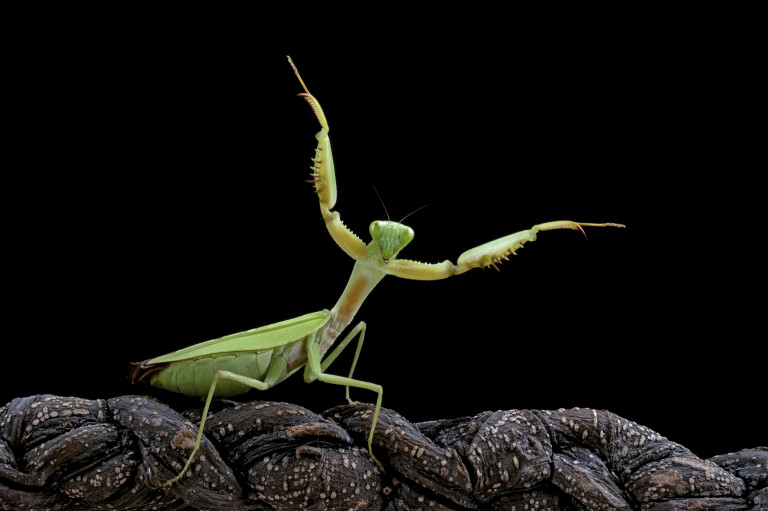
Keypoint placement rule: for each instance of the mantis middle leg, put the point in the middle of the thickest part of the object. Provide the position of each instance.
(328, 360)
(316, 367)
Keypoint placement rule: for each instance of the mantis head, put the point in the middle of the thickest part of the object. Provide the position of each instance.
(390, 237)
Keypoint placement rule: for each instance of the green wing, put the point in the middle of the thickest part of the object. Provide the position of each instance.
(256, 339)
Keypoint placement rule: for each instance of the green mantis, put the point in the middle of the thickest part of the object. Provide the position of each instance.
(263, 357)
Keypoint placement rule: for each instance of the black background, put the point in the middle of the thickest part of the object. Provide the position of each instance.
(154, 197)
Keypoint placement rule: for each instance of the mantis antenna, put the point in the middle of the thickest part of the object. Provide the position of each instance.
(382, 202)
(412, 212)
(387, 212)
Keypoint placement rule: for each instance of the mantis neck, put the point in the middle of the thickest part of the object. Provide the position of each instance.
(363, 279)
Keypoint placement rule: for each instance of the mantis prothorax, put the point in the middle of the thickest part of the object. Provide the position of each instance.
(263, 357)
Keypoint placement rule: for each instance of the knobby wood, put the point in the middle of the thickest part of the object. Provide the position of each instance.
(61, 453)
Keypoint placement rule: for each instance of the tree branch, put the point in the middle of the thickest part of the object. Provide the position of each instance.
(69, 453)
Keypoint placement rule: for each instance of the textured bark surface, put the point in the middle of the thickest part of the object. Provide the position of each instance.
(68, 453)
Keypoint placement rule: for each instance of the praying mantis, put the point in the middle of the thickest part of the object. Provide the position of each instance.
(263, 357)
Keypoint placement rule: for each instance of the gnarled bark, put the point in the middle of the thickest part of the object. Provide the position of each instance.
(70, 453)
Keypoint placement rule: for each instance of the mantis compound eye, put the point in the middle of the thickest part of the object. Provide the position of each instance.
(375, 230)
(406, 236)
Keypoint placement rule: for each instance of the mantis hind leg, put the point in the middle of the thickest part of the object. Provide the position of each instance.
(251, 382)
(316, 371)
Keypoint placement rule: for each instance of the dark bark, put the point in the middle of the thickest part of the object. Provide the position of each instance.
(70, 453)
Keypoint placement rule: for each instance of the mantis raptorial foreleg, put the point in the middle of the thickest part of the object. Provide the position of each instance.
(324, 179)
(488, 254)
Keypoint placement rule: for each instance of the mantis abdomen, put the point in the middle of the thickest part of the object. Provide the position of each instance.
(194, 377)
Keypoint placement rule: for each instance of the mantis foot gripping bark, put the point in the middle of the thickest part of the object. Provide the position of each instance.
(263, 357)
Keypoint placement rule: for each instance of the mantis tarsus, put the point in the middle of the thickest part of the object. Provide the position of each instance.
(263, 357)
